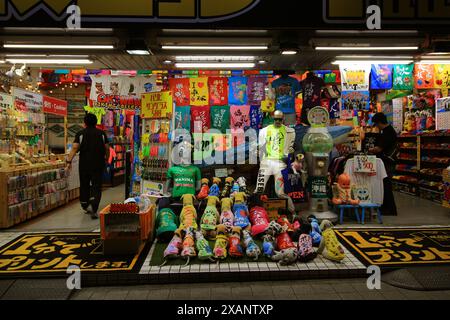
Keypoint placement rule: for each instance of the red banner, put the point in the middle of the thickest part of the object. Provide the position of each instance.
(55, 106)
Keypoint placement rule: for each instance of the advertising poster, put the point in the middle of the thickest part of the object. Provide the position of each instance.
(443, 114)
(355, 77)
(355, 100)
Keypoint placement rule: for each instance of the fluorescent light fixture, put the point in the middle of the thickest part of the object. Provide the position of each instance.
(18, 55)
(218, 65)
(109, 30)
(182, 47)
(372, 62)
(57, 46)
(214, 58)
(437, 54)
(434, 61)
(373, 57)
(288, 52)
(209, 31)
(2, 61)
(50, 61)
(139, 52)
(356, 48)
(262, 61)
(167, 61)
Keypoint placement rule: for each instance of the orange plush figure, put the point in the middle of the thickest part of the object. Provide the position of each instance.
(344, 192)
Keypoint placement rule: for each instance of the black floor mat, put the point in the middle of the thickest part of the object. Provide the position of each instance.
(420, 278)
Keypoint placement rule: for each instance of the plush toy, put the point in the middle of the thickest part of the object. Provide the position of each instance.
(344, 191)
(284, 221)
(227, 188)
(227, 216)
(221, 245)
(251, 248)
(173, 249)
(305, 245)
(166, 224)
(240, 210)
(274, 228)
(210, 218)
(316, 233)
(235, 188)
(235, 243)
(242, 182)
(188, 249)
(268, 245)
(204, 190)
(188, 216)
(203, 248)
(330, 248)
(214, 190)
(286, 252)
(259, 220)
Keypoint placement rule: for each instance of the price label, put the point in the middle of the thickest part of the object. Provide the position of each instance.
(365, 164)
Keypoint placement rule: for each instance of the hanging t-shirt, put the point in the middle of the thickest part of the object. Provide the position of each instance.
(256, 90)
(373, 181)
(220, 118)
(199, 93)
(240, 117)
(218, 91)
(184, 179)
(256, 117)
(98, 112)
(237, 90)
(286, 88)
(183, 118)
(381, 77)
(311, 88)
(200, 115)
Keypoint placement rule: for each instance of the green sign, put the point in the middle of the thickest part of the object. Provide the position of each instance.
(318, 187)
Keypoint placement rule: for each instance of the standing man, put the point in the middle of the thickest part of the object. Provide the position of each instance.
(93, 146)
(277, 142)
(386, 150)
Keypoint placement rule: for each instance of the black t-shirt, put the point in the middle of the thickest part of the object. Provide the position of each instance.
(92, 148)
(312, 89)
(388, 142)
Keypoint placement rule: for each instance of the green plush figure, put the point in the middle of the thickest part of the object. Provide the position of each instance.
(166, 224)
(203, 248)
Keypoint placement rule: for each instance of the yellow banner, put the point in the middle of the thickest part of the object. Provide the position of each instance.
(198, 88)
(157, 105)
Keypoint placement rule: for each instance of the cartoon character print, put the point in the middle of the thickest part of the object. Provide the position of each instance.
(99, 88)
(148, 87)
(114, 88)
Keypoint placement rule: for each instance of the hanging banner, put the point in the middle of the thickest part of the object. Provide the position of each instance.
(180, 91)
(237, 90)
(403, 77)
(220, 118)
(55, 106)
(397, 107)
(355, 77)
(424, 76)
(381, 77)
(256, 117)
(201, 119)
(199, 91)
(183, 118)
(355, 100)
(240, 117)
(157, 105)
(443, 114)
(256, 90)
(218, 91)
(442, 76)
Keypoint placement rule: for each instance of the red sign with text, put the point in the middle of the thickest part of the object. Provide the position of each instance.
(55, 106)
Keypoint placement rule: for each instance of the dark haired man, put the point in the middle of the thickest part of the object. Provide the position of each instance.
(93, 146)
(386, 150)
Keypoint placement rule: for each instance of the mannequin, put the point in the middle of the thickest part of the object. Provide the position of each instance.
(286, 89)
(183, 178)
(277, 141)
(312, 89)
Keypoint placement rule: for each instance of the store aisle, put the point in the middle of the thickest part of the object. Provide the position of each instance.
(71, 217)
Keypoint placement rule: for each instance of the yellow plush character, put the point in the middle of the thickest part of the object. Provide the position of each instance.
(221, 245)
(239, 198)
(330, 247)
(188, 216)
(210, 218)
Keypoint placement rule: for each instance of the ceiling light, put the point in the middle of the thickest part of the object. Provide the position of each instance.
(167, 61)
(372, 62)
(437, 54)
(57, 46)
(434, 61)
(182, 47)
(356, 48)
(218, 65)
(19, 55)
(262, 61)
(50, 61)
(288, 52)
(139, 52)
(215, 58)
(373, 57)
(2, 61)
(209, 31)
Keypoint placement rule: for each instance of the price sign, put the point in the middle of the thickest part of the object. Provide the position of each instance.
(365, 164)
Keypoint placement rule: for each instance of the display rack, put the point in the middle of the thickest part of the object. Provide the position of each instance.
(117, 172)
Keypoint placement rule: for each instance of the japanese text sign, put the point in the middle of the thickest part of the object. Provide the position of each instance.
(55, 106)
(365, 164)
(157, 105)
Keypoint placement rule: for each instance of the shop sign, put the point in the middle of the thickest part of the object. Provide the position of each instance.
(157, 105)
(6, 101)
(109, 101)
(55, 106)
(32, 101)
(365, 164)
(318, 187)
(55, 252)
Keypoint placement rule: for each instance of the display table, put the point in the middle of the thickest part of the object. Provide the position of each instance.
(31, 190)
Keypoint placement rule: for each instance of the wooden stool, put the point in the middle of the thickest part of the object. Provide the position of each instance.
(341, 209)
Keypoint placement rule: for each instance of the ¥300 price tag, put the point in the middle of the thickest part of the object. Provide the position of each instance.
(365, 164)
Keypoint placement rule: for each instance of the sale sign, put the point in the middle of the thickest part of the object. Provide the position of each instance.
(55, 106)
(365, 164)
(157, 105)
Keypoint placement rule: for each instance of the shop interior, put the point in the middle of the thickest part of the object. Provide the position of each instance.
(144, 86)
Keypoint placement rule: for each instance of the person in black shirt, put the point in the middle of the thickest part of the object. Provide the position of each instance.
(93, 146)
(386, 149)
